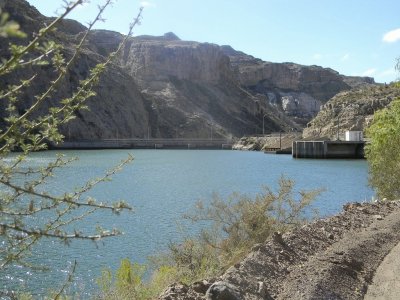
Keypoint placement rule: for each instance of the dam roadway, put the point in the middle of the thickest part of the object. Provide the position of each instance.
(158, 143)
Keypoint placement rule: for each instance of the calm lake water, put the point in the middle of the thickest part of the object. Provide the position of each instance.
(162, 185)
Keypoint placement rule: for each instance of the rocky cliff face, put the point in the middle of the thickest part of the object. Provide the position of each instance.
(350, 110)
(159, 58)
(165, 87)
(193, 90)
(118, 109)
(298, 90)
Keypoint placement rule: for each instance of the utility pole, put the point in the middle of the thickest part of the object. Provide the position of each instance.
(263, 124)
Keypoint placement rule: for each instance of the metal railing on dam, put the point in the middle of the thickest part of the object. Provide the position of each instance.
(157, 143)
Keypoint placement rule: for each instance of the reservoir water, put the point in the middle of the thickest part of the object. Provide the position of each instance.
(162, 185)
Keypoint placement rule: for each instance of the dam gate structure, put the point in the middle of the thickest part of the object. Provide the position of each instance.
(328, 149)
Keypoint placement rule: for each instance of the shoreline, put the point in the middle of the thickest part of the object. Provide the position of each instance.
(276, 142)
(331, 258)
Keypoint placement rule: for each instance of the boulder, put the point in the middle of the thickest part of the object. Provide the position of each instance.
(221, 290)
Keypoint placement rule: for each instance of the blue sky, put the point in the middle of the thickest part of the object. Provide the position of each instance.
(353, 37)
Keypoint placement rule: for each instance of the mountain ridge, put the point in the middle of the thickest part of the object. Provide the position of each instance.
(172, 88)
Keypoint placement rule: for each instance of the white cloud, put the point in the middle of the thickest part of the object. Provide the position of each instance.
(369, 72)
(317, 56)
(388, 73)
(345, 57)
(392, 36)
(147, 4)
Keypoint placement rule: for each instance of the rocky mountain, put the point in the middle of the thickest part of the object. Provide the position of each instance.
(192, 89)
(350, 110)
(166, 87)
(298, 90)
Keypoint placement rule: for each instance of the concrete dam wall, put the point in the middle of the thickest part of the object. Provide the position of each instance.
(328, 149)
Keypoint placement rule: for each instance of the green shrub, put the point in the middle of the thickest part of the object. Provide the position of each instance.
(239, 222)
(129, 284)
(236, 224)
(383, 153)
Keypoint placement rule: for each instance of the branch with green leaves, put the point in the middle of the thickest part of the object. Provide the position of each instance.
(29, 210)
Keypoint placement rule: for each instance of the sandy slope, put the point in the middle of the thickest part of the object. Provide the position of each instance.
(386, 282)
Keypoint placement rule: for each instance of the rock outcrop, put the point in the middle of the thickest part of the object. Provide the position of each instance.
(271, 142)
(350, 110)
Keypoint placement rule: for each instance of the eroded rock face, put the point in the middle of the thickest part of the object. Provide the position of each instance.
(117, 111)
(300, 105)
(298, 90)
(161, 58)
(193, 89)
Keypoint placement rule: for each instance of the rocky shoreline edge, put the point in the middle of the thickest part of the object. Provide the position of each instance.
(330, 258)
(266, 143)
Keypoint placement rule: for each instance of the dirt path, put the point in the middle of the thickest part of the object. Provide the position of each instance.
(386, 282)
(333, 258)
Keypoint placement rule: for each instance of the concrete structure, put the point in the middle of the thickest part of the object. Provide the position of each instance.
(354, 136)
(328, 149)
(145, 144)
